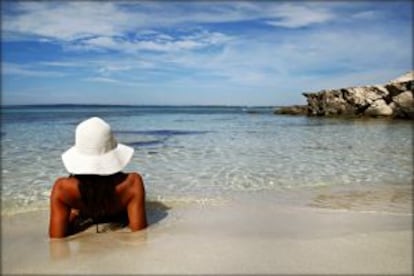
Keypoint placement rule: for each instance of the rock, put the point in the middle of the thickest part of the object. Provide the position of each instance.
(292, 110)
(362, 96)
(397, 88)
(394, 99)
(404, 100)
(328, 103)
(403, 105)
(379, 108)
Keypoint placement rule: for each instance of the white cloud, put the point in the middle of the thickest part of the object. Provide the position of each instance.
(111, 81)
(102, 41)
(101, 79)
(158, 45)
(365, 15)
(294, 16)
(157, 42)
(69, 21)
(63, 64)
(323, 54)
(107, 69)
(28, 71)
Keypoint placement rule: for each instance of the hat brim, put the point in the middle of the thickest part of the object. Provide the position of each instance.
(106, 164)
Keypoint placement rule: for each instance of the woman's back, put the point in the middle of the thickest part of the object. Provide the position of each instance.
(76, 196)
(97, 194)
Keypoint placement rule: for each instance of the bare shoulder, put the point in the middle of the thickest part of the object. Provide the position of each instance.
(135, 182)
(132, 180)
(135, 177)
(65, 183)
(130, 188)
(65, 188)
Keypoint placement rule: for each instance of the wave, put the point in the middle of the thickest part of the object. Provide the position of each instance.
(161, 132)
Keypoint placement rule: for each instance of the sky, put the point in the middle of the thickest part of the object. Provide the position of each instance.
(198, 52)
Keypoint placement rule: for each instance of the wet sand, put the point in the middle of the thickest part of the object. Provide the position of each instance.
(244, 235)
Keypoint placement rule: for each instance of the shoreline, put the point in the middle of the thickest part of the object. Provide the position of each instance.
(243, 235)
(380, 198)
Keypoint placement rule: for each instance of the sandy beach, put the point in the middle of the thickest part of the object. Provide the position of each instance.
(272, 137)
(243, 235)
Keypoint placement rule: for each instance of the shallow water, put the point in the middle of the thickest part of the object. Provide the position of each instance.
(206, 153)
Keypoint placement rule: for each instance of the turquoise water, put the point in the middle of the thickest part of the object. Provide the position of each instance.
(201, 153)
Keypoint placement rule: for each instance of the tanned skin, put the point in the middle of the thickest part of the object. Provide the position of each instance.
(65, 204)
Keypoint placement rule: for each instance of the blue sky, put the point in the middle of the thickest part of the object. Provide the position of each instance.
(195, 52)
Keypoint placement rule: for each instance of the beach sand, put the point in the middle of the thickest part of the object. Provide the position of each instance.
(236, 236)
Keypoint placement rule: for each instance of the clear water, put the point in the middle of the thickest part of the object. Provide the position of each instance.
(206, 152)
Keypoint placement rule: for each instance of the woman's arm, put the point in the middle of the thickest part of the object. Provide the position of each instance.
(59, 211)
(136, 204)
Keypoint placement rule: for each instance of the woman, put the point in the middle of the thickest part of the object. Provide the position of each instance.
(97, 190)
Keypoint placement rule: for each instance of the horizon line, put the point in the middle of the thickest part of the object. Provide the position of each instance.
(131, 105)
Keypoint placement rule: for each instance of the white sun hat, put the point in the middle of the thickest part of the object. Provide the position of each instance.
(96, 151)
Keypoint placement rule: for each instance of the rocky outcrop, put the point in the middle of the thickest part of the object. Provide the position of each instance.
(292, 110)
(394, 99)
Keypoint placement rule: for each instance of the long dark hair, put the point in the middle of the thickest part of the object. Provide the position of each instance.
(98, 193)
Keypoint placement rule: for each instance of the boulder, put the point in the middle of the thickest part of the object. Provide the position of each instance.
(403, 105)
(393, 99)
(399, 87)
(404, 100)
(363, 96)
(379, 108)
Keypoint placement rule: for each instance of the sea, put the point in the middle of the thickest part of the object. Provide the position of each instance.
(210, 153)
